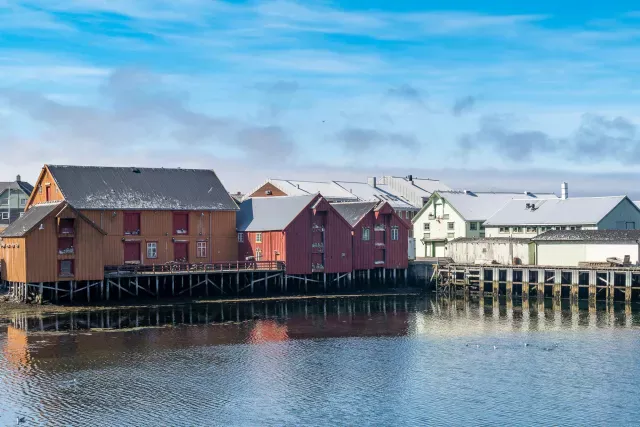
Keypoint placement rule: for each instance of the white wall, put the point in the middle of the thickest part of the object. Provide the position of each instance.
(570, 254)
(624, 212)
(487, 251)
(495, 231)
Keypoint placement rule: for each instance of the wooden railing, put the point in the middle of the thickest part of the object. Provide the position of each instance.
(179, 267)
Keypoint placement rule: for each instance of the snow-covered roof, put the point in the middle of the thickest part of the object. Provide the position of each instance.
(270, 213)
(328, 189)
(31, 218)
(381, 192)
(479, 206)
(571, 211)
(91, 187)
(353, 212)
(429, 186)
(590, 236)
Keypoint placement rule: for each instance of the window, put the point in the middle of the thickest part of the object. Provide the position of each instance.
(5, 215)
(39, 189)
(201, 249)
(531, 229)
(543, 229)
(559, 228)
(66, 226)
(473, 226)
(131, 223)
(504, 229)
(631, 225)
(366, 233)
(482, 227)
(426, 236)
(427, 226)
(451, 235)
(258, 237)
(572, 228)
(240, 237)
(258, 254)
(395, 233)
(180, 223)
(517, 229)
(152, 250)
(451, 226)
(65, 268)
(65, 246)
(23, 202)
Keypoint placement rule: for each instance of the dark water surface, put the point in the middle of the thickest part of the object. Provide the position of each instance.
(350, 361)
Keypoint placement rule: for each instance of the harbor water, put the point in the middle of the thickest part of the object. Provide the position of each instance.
(394, 360)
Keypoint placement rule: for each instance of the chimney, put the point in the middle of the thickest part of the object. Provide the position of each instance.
(372, 181)
(564, 193)
(410, 178)
(18, 178)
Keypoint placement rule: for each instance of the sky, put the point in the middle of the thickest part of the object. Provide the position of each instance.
(498, 95)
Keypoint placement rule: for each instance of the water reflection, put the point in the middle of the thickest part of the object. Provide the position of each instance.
(369, 360)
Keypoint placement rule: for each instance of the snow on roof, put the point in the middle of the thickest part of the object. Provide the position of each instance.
(328, 189)
(365, 192)
(91, 187)
(430, 185)
(270, 213)
(29, 220)
(479, 206)
(353, 212)
(590, 236)
(571, 211)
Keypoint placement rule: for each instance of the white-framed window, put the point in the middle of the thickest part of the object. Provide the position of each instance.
(395, 233)
(366, 233)
(531, 229)
(258, 254)
(559, 228)
(517, 229)
(473, 226)
(39, 189)
(258, 237)
(5, 215)
(451, 226)
(201, 249)
(427, 226)
(23, 202)
(426, 236)
(240, 237)
(504, 229)
(152, 250)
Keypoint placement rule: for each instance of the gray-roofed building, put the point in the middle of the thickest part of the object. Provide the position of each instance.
(572, 247)
(527, 218)
(416, 191)
(355, 211)
(31, 218)
(449, 215)
(93, 187)
(270, 213)
(13, 199)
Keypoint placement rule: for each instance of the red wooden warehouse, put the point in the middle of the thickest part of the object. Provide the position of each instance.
(305, 232)
(380, 237)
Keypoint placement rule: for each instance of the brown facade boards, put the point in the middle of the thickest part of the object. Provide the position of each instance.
(268, 190)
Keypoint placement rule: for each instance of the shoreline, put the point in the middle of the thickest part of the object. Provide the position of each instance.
(9, 309)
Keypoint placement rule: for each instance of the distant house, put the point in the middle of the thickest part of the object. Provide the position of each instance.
(527, 218)
(13, 199)
(571, 247)
(80, 219)
(450, 215)
(416, 191)
(305, 232)
(380, 236)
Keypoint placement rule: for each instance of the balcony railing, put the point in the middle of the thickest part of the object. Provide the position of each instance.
(178, 267)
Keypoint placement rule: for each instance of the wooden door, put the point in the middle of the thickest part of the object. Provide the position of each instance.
(131, 252)
(181, 251)
(47, 193)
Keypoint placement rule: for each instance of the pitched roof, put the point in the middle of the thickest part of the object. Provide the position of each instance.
(590, 236)
(381, 192)
(353, 212)
(91, 187)
(328, 189)
(479, 206)
(270, 213)
(571, 211)
(31, 218)
(25, 187)
(490, 240)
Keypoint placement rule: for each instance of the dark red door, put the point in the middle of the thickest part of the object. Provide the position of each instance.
(47, 192)
(131, 251)
(181, 251)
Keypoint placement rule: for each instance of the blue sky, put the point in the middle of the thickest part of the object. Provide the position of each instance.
(484, 95)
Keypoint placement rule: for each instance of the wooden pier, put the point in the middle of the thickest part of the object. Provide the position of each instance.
(241, 278)
(592, 283)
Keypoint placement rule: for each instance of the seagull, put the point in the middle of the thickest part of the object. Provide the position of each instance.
(495, 348)
(526, 344)
(477, 345)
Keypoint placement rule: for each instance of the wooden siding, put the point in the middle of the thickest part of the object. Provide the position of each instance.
(394, 253)
(262, 191)
(398, 250)
(337, 241)
(218, 229)
(40, 196)
(13, 259)
(273, 246)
